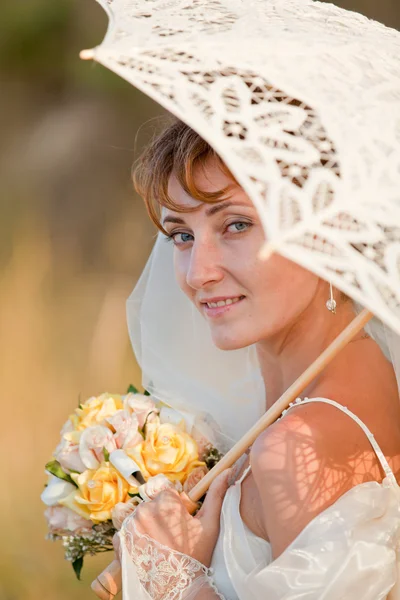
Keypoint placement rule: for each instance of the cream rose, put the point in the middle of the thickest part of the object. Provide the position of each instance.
(93, 442)
(61, 519)
(98, 492)
(167, 449)
(125, 426)
(141, 405)
(155, 485)
(194, 477)
(67, 454)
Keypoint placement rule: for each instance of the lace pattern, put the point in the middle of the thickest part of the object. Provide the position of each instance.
(164, 573)
(304, 111)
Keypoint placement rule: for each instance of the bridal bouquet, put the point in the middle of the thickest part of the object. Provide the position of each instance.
(117, 451)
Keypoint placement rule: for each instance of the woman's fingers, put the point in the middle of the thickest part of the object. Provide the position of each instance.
(212, 505)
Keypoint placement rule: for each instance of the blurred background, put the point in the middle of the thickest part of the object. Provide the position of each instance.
(73, 241)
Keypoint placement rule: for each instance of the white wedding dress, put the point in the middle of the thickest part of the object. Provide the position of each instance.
(350, 551)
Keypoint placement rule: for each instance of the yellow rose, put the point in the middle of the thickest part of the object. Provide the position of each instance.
(98, 491)
(94, 412)
(167, 449)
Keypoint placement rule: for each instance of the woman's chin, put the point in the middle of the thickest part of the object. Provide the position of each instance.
(231, 342)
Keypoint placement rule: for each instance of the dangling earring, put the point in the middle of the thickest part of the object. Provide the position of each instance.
(331, 303)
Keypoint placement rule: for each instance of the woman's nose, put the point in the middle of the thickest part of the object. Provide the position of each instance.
(204, 266)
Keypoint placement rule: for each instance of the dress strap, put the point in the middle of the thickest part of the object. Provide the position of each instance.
(243, 475)
(379, 454)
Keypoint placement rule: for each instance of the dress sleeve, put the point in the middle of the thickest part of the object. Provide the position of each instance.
(348, 552)
(152, 571)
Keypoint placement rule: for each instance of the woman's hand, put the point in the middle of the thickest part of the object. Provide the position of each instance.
(166, 520)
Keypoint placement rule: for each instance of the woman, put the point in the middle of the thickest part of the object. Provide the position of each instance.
(315, 510)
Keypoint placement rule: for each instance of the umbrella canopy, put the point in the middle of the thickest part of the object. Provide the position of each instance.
(301, 100)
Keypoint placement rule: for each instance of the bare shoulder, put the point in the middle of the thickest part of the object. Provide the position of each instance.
(303, 463)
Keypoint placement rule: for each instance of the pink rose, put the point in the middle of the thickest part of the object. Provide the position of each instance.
(141, 405)
(194, 477)
(125, 426)
(155, 485)
(68, 456)
(62, 519)
(122, 510)
(92, 443)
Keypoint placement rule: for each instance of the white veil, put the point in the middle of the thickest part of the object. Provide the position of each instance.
(182, 367)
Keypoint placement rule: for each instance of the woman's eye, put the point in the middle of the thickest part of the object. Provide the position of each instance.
(238, 227)
(181, 237)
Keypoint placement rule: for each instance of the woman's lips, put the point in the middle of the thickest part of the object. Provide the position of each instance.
(216, 307)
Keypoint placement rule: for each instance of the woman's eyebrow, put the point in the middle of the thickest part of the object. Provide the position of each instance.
(214, 209)
(173, 220)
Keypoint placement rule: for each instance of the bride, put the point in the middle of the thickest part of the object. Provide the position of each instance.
(314, 511)
(299, 101)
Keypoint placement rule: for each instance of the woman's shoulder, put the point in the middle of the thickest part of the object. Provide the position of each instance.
(333, 429)
(319, 431)
(306, 461)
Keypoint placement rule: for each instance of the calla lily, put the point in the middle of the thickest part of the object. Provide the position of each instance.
(56, 490)
(126, 466)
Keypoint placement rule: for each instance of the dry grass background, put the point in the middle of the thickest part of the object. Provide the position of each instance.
(73, 241)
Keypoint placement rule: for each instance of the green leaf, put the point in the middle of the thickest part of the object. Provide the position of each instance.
(106, 454)
(77, 566)
(55, 469)
(146, 393)
(132, 390)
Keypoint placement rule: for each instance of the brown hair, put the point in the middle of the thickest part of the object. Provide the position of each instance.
(178, 150)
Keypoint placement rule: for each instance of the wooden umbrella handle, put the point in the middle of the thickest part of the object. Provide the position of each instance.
(111, 577)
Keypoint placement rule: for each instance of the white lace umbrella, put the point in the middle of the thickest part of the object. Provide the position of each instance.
(301, 100)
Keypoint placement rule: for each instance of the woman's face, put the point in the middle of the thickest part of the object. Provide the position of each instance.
(217, 265)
